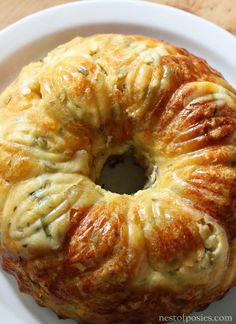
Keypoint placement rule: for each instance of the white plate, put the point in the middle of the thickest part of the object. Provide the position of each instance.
(32, 37)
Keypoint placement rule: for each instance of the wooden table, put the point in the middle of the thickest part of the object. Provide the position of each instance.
(221, 12)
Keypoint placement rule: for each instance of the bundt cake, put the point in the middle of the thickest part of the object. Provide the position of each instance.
(93, 255)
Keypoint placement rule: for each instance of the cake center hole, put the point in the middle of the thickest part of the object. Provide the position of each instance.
(122, 174)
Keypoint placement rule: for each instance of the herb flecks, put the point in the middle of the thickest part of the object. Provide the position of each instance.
(40, 141)
(45, 228)
(101, 128)
(154, 200)
(116, 110)
(62, 96)
(83, 70)
(102, 68)
(150, 92)
(94, 240)
(8, 100)
(123, 88)
(61, 131)
(35, 283)
(233, 164)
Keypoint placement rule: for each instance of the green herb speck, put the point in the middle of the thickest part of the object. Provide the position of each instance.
(83, 70)
(101, 128)
(94, 240)
(116, 110)
(62, 95)
(150, 93)
(35, 283)
(40, 141)
(233, 164)
(102, 68)
(45, 228)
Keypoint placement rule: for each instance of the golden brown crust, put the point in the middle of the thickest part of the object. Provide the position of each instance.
(93, 255)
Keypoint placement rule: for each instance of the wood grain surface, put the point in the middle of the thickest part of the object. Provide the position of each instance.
(221, 12)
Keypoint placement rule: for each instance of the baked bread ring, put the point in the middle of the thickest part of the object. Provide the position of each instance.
(101, 257)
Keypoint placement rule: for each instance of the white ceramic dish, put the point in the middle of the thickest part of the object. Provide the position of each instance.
(32, 37)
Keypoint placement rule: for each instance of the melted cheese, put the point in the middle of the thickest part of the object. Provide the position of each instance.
(173, 241)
